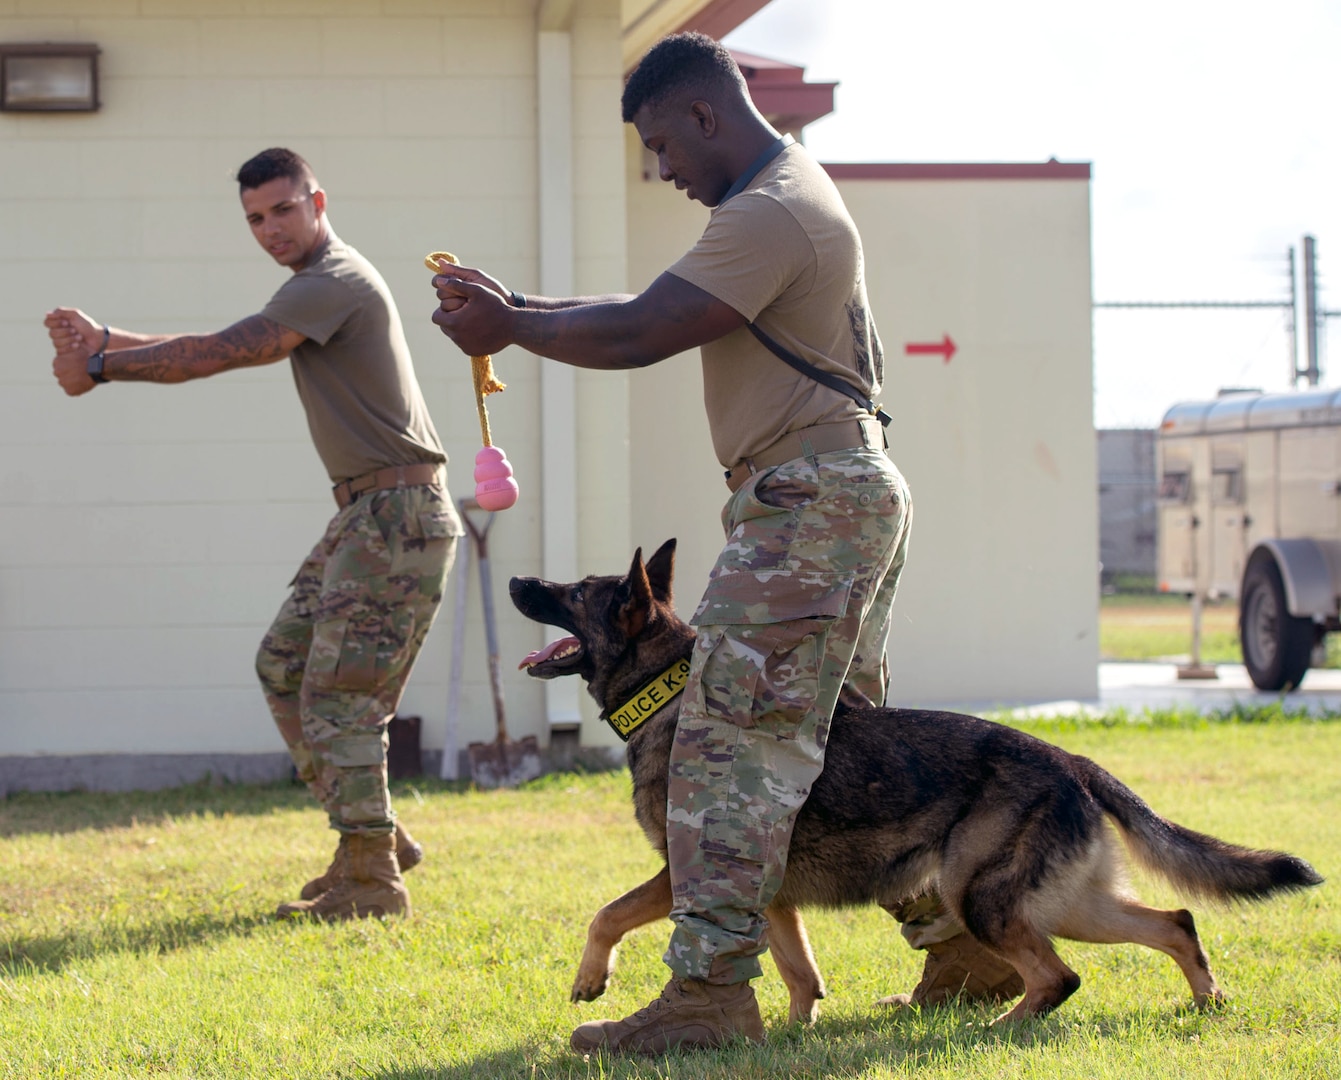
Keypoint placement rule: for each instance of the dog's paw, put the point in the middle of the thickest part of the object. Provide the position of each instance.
(803, 1012)
(588, 986)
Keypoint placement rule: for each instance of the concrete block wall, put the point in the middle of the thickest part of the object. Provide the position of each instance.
(999, 601)
(149, 532)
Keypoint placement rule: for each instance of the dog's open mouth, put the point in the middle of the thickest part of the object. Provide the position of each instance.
(557, 658)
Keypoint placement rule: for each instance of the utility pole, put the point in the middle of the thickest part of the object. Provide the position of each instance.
(1311, 314)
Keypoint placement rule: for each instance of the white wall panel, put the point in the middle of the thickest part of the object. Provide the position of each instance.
(999, 599)
(151, 531)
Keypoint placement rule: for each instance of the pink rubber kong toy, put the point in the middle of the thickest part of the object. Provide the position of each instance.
(495, 488)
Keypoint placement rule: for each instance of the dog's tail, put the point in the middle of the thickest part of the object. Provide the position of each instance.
(1193, 862)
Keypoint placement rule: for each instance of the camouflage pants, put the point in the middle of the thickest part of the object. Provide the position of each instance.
(336, 659)
(795, 616)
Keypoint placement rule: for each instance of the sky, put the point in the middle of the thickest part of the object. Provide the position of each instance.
(1211, 129)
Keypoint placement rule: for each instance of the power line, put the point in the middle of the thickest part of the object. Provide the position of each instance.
(1314, 317)
(1283, 304)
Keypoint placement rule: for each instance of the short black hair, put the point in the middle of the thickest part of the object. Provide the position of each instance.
(271, 165)
(680, 62)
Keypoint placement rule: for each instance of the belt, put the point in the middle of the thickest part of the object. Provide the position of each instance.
(819, 439)
(346, 491)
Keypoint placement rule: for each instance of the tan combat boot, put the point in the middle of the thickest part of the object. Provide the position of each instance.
(960, 967)
(370, 886)
(409, 854)
(689, 1014)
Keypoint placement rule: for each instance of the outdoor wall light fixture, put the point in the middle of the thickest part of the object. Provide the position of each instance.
(48, 78)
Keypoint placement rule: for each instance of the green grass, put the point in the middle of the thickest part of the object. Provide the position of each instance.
(136, 937)
(1158, 626)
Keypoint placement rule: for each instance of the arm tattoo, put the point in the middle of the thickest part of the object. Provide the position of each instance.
(251, 342)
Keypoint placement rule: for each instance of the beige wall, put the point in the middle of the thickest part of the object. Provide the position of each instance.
(999, 601)
(147, 533)
(1000, 598)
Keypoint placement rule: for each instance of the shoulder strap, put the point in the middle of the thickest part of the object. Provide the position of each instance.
(824, 378)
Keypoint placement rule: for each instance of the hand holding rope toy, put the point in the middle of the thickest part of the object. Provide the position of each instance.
(495, 488)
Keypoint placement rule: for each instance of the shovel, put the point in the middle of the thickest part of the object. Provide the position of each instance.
(501, 763)
(451, 764)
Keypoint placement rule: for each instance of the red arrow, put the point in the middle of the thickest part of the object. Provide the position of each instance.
(945, 348)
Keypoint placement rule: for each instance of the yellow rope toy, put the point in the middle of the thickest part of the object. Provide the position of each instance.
(481, 367)
(495, 488)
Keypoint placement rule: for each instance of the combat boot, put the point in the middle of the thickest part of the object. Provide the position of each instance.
(960, 967)
(409, 854)
(689, 1014)
(370, 885)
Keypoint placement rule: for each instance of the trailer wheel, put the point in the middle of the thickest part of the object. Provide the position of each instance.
(1277, 646)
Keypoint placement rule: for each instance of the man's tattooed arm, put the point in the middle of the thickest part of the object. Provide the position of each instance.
(251, 342)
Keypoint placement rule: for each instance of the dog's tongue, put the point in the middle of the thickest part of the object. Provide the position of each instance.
(541, 655)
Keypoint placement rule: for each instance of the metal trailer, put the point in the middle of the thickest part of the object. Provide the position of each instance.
(1250, 509)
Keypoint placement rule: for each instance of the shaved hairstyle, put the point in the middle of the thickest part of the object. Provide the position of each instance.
(690, 61)
(271, 165)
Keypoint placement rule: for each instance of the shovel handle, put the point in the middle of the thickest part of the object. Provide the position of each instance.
(481, 538)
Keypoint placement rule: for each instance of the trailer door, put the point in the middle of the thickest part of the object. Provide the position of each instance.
(1228, 542)
(1310, 469)
(1262, 505)
(1177, 531)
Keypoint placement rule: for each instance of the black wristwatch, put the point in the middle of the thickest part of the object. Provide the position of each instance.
(96, 361)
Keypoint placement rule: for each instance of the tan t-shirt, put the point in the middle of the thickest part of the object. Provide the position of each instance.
(786, 255)
(354, 372)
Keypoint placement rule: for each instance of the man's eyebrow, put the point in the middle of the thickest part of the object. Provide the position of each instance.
(283, 203)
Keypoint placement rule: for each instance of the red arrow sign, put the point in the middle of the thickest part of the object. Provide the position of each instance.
(945, 348)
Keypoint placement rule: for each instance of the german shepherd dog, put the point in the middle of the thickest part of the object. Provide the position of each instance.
(1008, 828)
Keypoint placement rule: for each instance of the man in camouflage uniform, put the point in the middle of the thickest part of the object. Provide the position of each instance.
(337, 656)
(796, 612)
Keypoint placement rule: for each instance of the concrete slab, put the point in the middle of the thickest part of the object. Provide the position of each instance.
(1136, 687)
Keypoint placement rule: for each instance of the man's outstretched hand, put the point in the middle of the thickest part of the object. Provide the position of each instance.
(71, 330)
(473, 311)
(75, 337)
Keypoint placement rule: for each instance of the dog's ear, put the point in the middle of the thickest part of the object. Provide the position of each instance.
(634, 611)
(660, 570)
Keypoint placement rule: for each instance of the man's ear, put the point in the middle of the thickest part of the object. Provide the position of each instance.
(319, 201)
(704, 118)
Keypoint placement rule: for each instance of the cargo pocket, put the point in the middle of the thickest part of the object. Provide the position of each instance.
(344, 653)
(762, 645)
(743, 843)
(360, 549)
(428, 555)
(440, 523)
(363, 637)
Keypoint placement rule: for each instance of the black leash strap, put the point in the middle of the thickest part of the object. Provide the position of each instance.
(756, 166)
(833, 382)
(824, 378)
